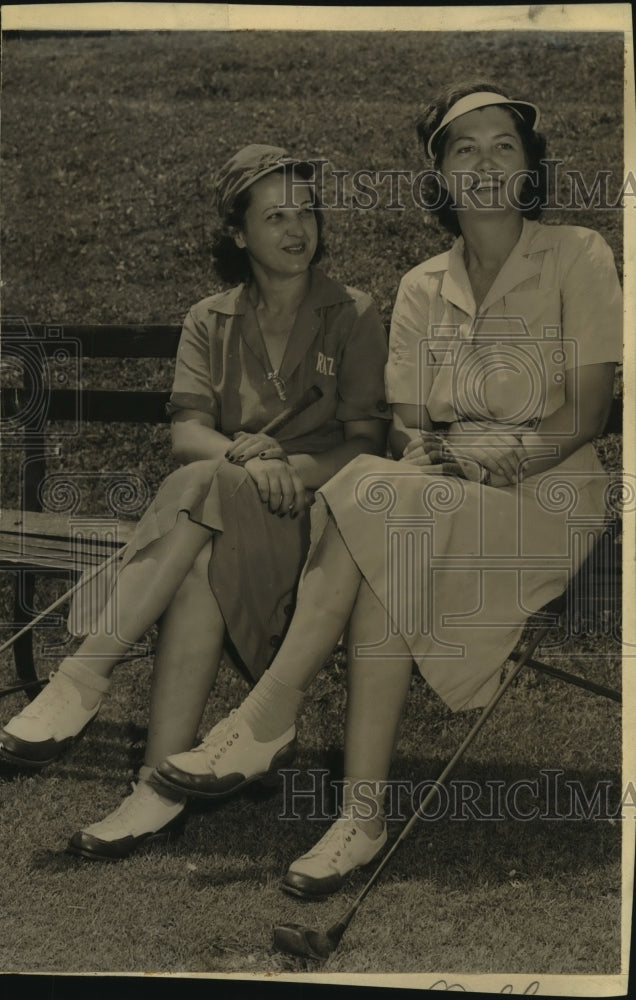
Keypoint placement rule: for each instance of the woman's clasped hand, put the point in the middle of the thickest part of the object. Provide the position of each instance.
(245, 446)
(491, 457)
(278, 484)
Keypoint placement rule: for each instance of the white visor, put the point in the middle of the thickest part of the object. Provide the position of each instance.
(483, 99)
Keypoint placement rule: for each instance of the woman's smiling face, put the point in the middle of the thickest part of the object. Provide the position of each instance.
(280, 232)
(484, 162)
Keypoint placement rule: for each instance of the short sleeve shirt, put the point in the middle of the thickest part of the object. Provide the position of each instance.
(555, 305)
(338, 344)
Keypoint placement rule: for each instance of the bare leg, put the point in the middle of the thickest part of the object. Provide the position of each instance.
(376, 694)
(326, 597)
(186, 663)
(143, 591)
(377, 690)
(187, 657)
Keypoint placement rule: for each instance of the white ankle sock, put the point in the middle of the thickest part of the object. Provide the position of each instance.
(366, 805)
(91, 686)
(271, 708)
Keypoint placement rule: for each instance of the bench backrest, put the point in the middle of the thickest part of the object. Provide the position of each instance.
(42, 383)
(46, 350)
(46, 356)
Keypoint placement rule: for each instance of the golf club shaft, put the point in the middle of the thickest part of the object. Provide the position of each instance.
(60, 600)
(339, 928)
(272, 427)
(311, 395)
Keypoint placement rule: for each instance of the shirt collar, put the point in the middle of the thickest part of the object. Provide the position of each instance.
(522, 262)
(323, 292)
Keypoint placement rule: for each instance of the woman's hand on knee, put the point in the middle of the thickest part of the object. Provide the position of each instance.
(278, 485)
(246, 446)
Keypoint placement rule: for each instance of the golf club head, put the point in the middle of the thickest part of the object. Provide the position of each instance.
(294, 939)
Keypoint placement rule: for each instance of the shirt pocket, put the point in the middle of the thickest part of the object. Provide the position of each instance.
(536, 334)
(534, 314)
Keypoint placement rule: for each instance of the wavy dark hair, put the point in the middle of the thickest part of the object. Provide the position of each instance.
(232, 263)
(534, 191)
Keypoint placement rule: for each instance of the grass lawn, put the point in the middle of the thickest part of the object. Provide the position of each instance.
(109, 144)
(498, 896)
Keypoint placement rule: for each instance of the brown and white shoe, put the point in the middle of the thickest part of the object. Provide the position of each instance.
(323, 869)
(228, 759)
(55, 719)
(145, 816)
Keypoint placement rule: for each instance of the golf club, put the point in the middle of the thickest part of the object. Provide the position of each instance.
(307, 942)
(311, 395)
(60, 600)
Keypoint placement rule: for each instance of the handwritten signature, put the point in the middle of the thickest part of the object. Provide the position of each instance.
(441, 984)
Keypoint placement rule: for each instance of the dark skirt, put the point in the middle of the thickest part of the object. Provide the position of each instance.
(254, 567)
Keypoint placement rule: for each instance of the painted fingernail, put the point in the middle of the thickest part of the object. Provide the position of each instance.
(262, 454)
(227, 454)
(294, 515)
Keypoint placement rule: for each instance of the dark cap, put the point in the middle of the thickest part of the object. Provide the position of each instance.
(247, 166)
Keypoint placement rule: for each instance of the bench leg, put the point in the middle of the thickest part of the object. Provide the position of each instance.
(563, 675)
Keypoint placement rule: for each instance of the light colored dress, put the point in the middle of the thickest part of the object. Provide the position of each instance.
(339, 344)
(458, 566)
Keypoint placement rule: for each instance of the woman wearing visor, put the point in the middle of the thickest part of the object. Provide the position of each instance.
(501, 362)
(217, 555)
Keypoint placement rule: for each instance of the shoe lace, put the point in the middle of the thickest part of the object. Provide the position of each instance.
(336, 838)
(130, 801)
(221, 736)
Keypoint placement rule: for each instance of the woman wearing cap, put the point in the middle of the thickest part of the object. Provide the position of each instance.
(501, 363)
(217, 555)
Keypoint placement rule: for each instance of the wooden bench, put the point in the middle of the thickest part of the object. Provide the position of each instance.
(36, 542)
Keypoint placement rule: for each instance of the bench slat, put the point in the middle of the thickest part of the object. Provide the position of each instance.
(126, 406)
(44, 541)
(138, 341)
(62, 563)
(42, 524)
(101, 405)
(146, 406)
(12, 546)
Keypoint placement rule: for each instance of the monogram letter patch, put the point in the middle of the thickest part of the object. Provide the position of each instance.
(325, 365)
